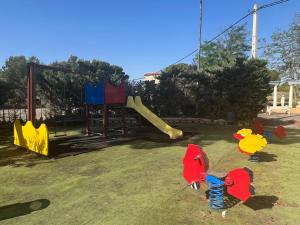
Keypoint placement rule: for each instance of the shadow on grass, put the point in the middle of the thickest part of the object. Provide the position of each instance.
(230, 201)
(204, 135)
(59, 148)
(193, 133)
(256, 202)
(259, 202)
(21, 209)
(145, 138)
(267, 157)
(71, 146)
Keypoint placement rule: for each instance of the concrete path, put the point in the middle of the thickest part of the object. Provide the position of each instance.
(288, 121)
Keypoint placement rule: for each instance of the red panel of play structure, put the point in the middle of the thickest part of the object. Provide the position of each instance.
(114, 95)
(280, 132)
(195, 164)
(238, 184)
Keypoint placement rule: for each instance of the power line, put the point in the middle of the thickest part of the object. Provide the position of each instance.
(214, 38)
(188, 55)
(137, 79)
(231, 26)
(227, 29)
(272, 4)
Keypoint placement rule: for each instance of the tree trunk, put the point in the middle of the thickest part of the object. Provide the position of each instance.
(3, 114)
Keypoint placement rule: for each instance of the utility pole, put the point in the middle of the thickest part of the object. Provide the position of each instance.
(200, 28)
(254, 31)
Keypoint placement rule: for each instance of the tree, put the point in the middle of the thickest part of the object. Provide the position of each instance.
(60, 92)
(3, 91)
(64, 91)
(14, 73)
(245, 88)
(174, 90)
(223, 53)
(134, 88)
(284, 51)
(150, 95)
(274, 75)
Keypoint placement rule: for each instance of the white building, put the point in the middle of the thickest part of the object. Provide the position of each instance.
(152, 76)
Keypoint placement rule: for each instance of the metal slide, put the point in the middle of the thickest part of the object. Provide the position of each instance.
(138, 106)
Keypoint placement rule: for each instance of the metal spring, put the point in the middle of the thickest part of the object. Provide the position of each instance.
(254, 157)
(216, 196)
(268, 136)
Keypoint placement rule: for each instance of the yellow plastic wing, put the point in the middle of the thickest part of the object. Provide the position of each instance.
(137, 105)
(29, 137)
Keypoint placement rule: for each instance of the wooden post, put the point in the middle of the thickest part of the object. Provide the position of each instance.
(105, 120)
(3, 114)
(87, 112)
(31, 93)
(124, 119)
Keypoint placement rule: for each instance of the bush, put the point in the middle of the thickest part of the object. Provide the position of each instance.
(245, 88)
(182, 91)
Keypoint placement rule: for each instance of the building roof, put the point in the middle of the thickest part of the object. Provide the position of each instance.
(152, 74)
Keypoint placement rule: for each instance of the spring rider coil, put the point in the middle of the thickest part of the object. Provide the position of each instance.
(268, 135)
(254, 157)
(237, 181)
(216, 192)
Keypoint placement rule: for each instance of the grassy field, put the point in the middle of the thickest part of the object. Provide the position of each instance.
(139, 182)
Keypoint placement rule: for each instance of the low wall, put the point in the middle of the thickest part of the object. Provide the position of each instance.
(174, 120)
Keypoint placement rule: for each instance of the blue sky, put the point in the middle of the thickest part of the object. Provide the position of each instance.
(141, 36)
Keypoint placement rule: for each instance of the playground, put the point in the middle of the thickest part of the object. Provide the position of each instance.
(93, 169)
(102, 123)
(140, 182)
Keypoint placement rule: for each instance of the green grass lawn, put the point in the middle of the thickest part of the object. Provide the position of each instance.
(139, 182)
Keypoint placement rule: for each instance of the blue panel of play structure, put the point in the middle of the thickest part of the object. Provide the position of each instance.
(94, 95)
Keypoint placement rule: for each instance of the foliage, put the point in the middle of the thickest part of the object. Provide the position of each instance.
(245, 88)
(182, 91)
(70, 85)
(150, 95)
(14, 74)
(174, 90)
(227, 82)
(61, 92)
(284, 51)
(274, 75)
(148, 91)
(134, 88)
(3, 91)
(223, 53)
